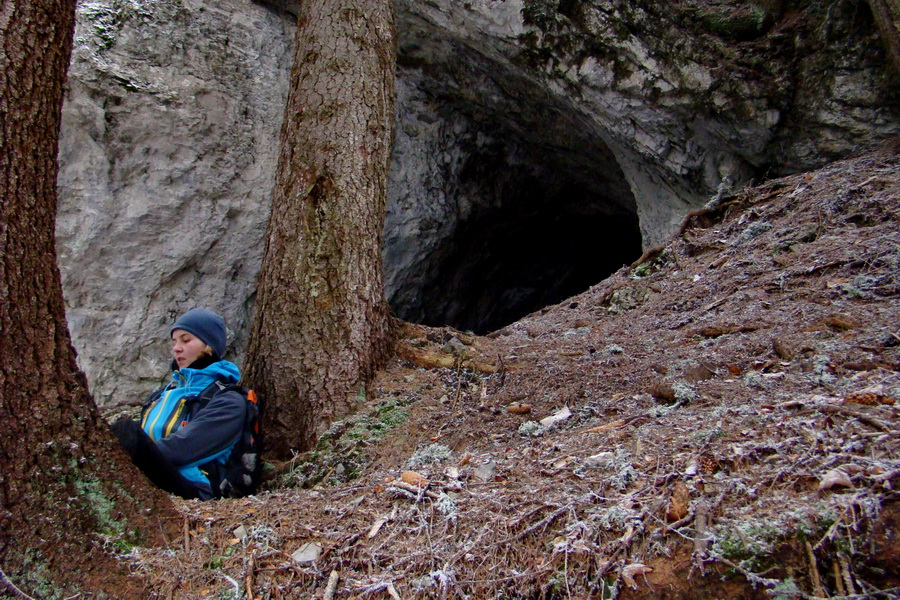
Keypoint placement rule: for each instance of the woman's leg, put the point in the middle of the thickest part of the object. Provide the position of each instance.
(149, 459)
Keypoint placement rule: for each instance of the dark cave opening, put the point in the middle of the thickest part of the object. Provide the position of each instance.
(523, 202)
(538, 246)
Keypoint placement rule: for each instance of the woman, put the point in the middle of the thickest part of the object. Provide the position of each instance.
(181, 440)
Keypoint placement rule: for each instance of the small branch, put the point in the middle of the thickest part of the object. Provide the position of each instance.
(332, 585)
(838, 581)
(13, 587)
(814, 571)
(845, 572)
(412, 492)
(752, 577)
(840, 410)
(650, 254)
(431, 360)
(539, 525)
(700, 541)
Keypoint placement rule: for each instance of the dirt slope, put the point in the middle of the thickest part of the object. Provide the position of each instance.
(732, 431)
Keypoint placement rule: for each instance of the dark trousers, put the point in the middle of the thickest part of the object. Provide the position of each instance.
(147, 457)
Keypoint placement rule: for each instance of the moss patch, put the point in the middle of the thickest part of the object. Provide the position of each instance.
(342, 452)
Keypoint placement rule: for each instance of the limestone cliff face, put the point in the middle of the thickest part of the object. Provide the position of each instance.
(170, 133)
(539, 144)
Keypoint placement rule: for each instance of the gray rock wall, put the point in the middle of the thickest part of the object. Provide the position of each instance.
(167, 153)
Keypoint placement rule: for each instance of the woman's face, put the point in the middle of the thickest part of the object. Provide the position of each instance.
(186, 347)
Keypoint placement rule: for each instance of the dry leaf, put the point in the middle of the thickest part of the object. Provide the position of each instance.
(633, 570)
(868, 399)
(835, 478)
(678, 503)
(377, 527)
(413, 478)
(606, 427)
(519, 408)
(841, 322)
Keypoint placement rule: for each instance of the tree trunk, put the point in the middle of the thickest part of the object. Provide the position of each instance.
(64, 483)
(887, 19)
(321, 325)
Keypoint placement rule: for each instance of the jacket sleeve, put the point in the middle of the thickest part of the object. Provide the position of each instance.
(213, 429)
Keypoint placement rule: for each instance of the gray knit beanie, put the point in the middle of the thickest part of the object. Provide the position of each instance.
(206, 325)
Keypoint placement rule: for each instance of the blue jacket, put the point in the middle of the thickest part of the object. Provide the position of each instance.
(189, 437)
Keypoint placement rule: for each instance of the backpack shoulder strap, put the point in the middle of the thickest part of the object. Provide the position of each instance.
(209, 391)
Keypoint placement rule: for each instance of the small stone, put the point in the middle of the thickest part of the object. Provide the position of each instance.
(307, 553)
(454, 346)
(531, 429)
(603, 459)
(486, 471)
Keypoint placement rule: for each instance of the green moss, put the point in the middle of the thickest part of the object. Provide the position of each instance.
(652, 266)
(341, 452)
(750, 544)
(785, 590)
(100, 506)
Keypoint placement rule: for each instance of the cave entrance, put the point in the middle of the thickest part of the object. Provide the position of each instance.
(537, 234)
(505, 196)
(506, 263)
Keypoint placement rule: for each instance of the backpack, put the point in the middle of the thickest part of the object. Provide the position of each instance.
(240, 475)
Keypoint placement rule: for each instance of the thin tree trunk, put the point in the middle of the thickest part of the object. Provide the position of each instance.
(887, 19)
(63, 481)
(321, 325)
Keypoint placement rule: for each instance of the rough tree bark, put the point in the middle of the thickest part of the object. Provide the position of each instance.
(64, 483)
(321, 324)
(887, 19)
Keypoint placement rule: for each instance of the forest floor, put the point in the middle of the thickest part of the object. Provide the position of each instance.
(719, 421)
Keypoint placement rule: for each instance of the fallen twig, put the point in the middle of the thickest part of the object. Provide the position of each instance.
(412, 492)
(701, 512)
(332, 585)
(847, 412)
(814, 571)
(539, 525)
(431, 360)
(13, 587)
